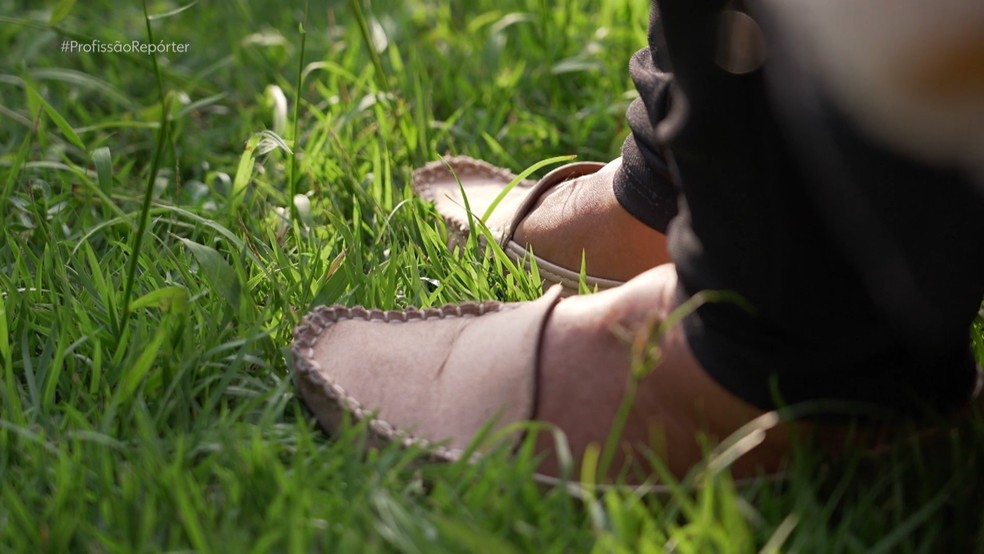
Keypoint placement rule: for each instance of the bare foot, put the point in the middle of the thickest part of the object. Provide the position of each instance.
(585, 363)
(583, 216)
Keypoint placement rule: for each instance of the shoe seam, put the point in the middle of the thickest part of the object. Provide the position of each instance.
(423, 178)
(316, 322)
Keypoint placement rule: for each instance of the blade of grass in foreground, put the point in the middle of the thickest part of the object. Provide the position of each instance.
(299, 84)
(519, 179)
(155, 163)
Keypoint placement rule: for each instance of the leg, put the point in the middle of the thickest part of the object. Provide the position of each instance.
(758, 219)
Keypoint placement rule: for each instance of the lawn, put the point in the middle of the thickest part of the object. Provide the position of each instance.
(169, 216)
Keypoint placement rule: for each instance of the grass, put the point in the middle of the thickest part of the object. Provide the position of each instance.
(166, 221)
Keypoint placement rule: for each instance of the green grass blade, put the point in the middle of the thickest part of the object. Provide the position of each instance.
(217, 270)
(136, 373)
(14, 173)
(173, 12)
(243, 173)
(519, 179)
(60, 12)
(299, 86)
(57, 119)
(144, 215)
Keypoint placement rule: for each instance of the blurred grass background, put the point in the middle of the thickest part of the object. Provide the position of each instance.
(145, 399)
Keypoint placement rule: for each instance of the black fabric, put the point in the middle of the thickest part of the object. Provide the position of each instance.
(643, 184)
(863, 281)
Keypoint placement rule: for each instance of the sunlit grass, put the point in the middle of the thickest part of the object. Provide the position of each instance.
(165, 418)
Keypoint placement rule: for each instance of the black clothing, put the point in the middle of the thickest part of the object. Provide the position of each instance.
(864, 269)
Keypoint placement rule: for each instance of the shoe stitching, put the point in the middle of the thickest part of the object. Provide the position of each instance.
(315, 323)
(461, 164)
(423, 180)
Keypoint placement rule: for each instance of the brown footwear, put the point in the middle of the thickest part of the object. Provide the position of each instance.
(437, 375)
(438, 182)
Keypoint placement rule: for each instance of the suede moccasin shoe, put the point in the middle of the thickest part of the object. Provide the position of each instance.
(438, 182)
(431, 377)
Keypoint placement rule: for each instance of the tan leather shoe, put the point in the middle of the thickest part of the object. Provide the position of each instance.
(437, 375)
(438, 182)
